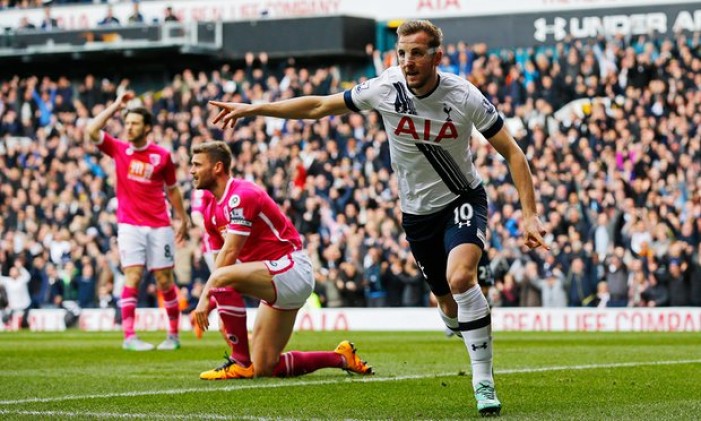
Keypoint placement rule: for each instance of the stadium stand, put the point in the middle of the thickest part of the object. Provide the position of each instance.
(611, 128)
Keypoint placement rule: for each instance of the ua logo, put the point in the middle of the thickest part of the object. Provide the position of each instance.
(463, 224)
(557, 29)
(476, 347)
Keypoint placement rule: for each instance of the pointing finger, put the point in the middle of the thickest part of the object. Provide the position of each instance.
(219, 104)
(219, 116)
(538, 240)
(228, 121)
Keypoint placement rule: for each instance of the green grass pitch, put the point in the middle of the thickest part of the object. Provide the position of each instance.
(420, 375)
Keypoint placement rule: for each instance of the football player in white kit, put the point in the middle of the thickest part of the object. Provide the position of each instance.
(429, 117)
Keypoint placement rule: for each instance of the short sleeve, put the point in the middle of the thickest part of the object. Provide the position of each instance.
(244, 207)
(366, 96)
(484, 114)
(107, 144)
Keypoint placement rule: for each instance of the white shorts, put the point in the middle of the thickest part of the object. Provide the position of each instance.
(293, 279)
(209, 259)
(146, 246)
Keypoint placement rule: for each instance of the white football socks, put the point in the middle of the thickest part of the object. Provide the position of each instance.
(476, 326)
(450, 322)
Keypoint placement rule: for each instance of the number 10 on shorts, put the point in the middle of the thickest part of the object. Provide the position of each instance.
(463, 215)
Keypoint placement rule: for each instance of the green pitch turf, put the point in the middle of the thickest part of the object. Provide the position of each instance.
(420, 375)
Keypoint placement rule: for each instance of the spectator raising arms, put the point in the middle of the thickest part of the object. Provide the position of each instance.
(17, 291)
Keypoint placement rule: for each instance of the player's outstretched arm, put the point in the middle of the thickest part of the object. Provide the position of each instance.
(93, 128)
(307, 107)
(533, 228)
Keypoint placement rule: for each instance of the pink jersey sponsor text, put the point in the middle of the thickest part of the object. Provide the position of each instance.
(141, 177)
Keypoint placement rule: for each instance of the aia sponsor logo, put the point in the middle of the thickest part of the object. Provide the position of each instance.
(421, 130)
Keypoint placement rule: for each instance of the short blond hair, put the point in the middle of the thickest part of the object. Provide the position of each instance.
(412, 27)
(216, 150)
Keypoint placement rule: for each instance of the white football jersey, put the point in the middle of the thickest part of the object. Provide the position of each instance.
(429, 135)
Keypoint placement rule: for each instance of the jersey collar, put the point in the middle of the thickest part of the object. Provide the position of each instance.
(429, 92)
(229, 186)
(143, 148)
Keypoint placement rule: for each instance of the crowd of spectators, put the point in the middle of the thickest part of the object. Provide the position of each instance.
(49, 23)
(29, 4)
(611, 129)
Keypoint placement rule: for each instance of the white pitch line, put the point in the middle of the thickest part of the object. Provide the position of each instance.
(332, 381)
(594, 366)
(102, 415)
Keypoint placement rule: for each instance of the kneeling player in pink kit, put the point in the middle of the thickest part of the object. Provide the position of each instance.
(261, 255)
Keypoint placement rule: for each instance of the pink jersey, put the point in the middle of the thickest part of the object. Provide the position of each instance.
(246, 209)
(141, 175)
(199, 202)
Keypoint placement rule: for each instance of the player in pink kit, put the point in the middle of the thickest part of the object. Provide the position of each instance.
(262, 256)
(211, 244)
(199, 201)
(145, 235)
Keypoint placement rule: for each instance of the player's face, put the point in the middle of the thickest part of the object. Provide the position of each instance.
(202, 171)
(418, 62)
(135, 128)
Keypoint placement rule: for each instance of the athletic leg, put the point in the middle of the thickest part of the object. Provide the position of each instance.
(160, 259)
(465, 239)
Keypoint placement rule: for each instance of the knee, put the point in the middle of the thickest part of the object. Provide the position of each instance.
(462, 279)
(164, 278)
(132, 279)
(221, 278)
(265, 365)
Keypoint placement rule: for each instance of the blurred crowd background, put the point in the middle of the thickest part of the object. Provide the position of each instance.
(611, 129)
(48, 21)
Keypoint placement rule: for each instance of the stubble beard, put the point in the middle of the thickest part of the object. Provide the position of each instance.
(204, 183)
(419, 81)
(138, 139)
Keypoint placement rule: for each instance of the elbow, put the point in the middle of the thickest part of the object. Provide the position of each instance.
(516, 157)
(215, 279)
(218, 279)
(320, 110)
(316, 113)
(176, 198)
(92, 134)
